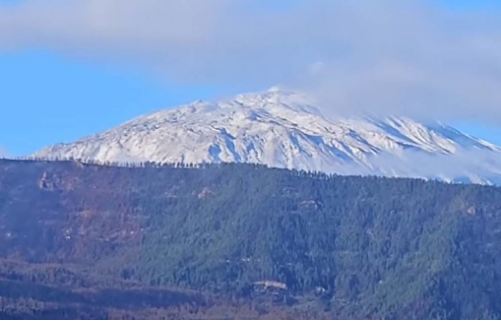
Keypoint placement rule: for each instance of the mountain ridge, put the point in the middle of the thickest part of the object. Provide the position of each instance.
(283, 129)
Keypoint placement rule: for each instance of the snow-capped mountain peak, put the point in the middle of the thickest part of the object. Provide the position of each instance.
(282, 128)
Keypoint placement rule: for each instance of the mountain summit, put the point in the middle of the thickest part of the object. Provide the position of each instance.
(282, 129)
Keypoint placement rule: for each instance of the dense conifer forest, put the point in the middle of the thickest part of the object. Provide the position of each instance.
(79, 240)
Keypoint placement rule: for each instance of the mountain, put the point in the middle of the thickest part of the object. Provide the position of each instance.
(282, 129)
(243, 241)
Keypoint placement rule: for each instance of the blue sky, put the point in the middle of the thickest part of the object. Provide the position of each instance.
(470, 4)
(47, 98)
(59, 93)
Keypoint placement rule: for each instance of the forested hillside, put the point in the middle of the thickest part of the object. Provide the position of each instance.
(243, 241)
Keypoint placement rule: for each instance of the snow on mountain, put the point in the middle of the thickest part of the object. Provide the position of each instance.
(281, 129)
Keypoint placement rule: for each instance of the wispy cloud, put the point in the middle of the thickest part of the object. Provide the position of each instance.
(388, 56)
(465, 165)
(3, 153)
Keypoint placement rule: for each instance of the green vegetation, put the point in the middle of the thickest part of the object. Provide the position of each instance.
(346, 247)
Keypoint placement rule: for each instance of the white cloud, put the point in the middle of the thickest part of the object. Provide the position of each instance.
(387, 56)
(473, 165)
(3, 153)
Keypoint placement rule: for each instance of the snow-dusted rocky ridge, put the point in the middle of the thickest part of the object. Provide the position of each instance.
(280, 129)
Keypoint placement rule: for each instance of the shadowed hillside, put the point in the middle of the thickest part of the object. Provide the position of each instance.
(242, 241)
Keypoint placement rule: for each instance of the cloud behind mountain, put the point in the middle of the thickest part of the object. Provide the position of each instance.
(410, 58)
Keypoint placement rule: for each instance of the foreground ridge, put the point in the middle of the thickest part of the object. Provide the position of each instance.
(241, 241)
